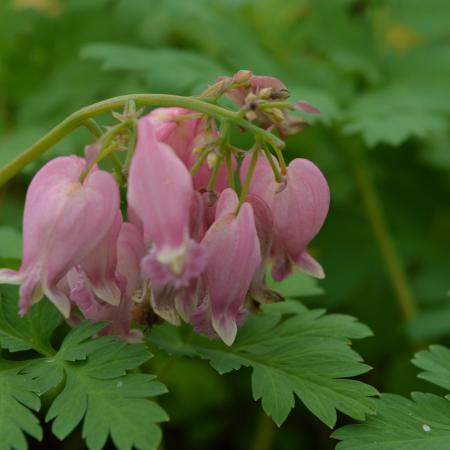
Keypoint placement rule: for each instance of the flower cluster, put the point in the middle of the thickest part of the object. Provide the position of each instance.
(194, 246)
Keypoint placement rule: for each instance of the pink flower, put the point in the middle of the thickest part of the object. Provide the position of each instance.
(183, 136)
(130, 250)
(178, 134)
(160, 193)
(100, 265)
(64, 220)
(299, 207)
(233, 258)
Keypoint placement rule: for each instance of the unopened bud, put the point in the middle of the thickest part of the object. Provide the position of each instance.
(265, 93)
(275, 114)
(242, 77)
(250, 115)
(211, 159)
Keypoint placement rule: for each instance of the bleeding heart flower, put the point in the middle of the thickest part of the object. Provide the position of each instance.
(233, 258)
(299, 207)
(160, 193)
(64, 220)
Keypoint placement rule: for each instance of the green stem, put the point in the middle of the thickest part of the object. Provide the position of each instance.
(199, 161)
(281, 160)
(380, 229)
(230, 173)
(274, 167)
(93, 127)
(117, 166)
(131, 148)
(215, 172)
(78, 118)
(248, 177)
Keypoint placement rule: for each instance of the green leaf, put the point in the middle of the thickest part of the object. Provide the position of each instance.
(101, 392)
(393, 114)
(164, 68)
(10, 243)
(292, 352)
(401, 424)
(296, 285)
(30, 332)
(18, 394)
(436, 363)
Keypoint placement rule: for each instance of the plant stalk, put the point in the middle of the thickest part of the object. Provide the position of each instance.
(81, 116)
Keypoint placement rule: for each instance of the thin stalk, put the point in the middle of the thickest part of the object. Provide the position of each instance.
(248, 177)
(94, 128)
(117, 166)
(78, 118)
(281, 160)
(215, 171)
(229, 164)
(273, 166)
(199, 161)
(131, 147)
(375, 215)
(102, 154)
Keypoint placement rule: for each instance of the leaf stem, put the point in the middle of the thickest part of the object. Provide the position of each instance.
(81, 116)
(375, 215)
(249, 176)
(275, 170)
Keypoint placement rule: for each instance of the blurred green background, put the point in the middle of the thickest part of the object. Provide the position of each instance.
(380, 73)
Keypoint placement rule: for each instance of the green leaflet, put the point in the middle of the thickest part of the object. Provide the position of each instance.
(422, 423)
(31, 332)
(292, 352)
(101, 392)
(97, 385)
(18, 395)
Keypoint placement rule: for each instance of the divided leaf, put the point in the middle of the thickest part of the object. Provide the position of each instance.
(99, 389)
(30, 332)
(292, 351)
(18, 394)
(422, 423)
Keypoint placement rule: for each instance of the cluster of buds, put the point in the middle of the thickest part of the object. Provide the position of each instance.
(203, 220)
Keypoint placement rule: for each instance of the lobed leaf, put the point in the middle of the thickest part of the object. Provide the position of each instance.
(293, 352)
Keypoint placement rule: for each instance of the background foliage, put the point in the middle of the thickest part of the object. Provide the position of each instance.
(379, 71)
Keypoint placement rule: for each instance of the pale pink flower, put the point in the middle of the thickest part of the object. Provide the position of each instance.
(233, 258)
(64, 220)
(160, 193)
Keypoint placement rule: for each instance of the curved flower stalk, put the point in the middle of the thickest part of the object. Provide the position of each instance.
(64, 220)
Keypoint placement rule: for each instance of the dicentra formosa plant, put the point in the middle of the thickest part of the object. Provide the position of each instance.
(203, 217)
(182, 230)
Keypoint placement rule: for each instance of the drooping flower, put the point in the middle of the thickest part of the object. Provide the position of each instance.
(160, 193)
(64, 220)
(100, 264)
(233, 258)
(130, 250)
(299, 207)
